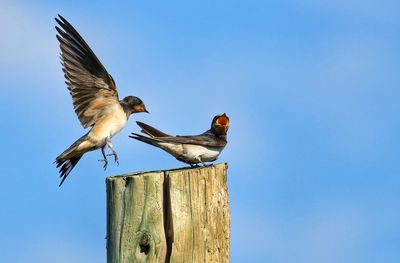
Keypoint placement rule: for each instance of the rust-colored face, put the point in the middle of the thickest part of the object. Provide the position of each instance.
(220, 124)
(140, 108)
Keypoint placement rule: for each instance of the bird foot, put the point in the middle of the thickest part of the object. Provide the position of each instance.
(115, 157)
(105, 163)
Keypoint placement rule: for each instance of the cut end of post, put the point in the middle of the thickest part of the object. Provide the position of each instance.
(141, 173)
(169, 215)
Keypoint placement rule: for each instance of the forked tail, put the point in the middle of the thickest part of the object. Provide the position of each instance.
(69, 158)
(66, 166)
(148, 140)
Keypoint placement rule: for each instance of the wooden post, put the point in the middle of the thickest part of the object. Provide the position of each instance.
(168, 216)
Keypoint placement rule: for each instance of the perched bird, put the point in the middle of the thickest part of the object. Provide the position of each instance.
(94, 96)
(192, 150)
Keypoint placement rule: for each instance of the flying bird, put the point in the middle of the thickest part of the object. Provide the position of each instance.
(193, 150)
(94, 97)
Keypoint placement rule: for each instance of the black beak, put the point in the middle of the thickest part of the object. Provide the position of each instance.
(145, 110)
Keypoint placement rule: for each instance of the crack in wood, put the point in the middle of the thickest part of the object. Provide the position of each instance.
(179, 215)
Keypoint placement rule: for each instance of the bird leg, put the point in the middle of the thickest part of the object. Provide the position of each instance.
(201, 161)
(104, 156)
(114, 153)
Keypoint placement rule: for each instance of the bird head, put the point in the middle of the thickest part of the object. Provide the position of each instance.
(220, 124)
(134, 105)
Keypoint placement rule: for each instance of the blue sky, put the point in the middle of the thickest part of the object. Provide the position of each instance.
(311, 88)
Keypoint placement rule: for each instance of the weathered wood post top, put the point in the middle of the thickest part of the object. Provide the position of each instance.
(179, 215)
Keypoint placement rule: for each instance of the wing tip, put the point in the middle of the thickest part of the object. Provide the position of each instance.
(60, 19)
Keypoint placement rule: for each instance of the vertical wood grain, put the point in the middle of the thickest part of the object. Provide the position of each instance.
(177, 215)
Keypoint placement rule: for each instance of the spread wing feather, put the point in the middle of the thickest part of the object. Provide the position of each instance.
(91, 87)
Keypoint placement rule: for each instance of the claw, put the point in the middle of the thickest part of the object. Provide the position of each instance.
(105, 158)
(105, 163)
(114, 153)
(115, 157)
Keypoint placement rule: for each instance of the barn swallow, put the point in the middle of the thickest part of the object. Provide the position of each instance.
(94, 97)
(194, 149)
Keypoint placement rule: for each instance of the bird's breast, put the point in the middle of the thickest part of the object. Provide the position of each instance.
(110, 124)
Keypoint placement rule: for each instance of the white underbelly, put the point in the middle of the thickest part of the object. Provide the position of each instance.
(116, 126)
(108, 126)
(192, 153)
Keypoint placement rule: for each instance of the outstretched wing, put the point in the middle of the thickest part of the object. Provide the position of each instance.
(205, 139)
(91, 87)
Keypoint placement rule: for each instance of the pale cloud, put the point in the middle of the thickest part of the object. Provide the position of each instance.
(26, 43)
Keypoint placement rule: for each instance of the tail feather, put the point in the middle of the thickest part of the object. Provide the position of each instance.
(148, 140)
(67, 166)
(151, 131)
(69, 158)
